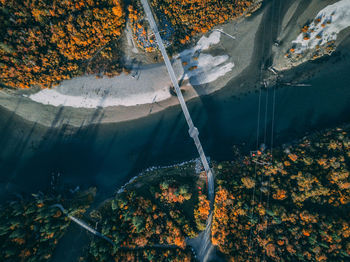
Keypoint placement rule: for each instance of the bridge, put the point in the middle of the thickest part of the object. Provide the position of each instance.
(193, 131)
(205, 244)
(83, 224)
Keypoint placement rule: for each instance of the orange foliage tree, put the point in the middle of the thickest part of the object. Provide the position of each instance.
(300, 208)
(191, 17)
(44, 42)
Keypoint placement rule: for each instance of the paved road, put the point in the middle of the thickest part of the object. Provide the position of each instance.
(193, 131)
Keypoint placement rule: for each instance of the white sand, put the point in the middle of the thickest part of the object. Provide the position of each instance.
(338, 14)
(209, 68)
(89, 92)
(151, 84)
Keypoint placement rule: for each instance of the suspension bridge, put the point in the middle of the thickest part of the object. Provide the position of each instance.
(194, 134)
(193, 131)
(205, 247)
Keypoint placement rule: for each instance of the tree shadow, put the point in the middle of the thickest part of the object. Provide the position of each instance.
(32, 152)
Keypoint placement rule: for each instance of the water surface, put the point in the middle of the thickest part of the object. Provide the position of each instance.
(108, 155)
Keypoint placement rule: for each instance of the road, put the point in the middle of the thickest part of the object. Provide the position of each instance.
(193, 131)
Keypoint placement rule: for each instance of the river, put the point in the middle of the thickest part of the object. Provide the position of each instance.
(108, 155)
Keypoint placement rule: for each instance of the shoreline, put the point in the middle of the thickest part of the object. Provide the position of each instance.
(250, 53)
(237, 52)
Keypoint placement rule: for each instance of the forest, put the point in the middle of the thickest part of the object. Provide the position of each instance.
(192, 17)
(31, 227)
(43, 42)
(151, 218)
(291, 204)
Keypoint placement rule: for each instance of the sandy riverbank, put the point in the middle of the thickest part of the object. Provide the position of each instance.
(145, 84)
(217, 58)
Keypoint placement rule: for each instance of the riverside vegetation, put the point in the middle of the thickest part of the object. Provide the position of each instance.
(192, 17)
(45, 42)
(151, 219)
(299, 211)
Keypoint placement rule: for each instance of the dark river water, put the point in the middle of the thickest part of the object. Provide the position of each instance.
(108, 155)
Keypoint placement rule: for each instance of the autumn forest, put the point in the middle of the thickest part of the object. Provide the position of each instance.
(44, 42)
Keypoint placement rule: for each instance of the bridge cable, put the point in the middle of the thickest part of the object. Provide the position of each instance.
(251, 211)
(272, 133)
(262, 180)
(258, 128)
(271, 152)
(255, 169)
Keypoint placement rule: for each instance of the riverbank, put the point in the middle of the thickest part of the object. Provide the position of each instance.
(113, 153)
(203, 69)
